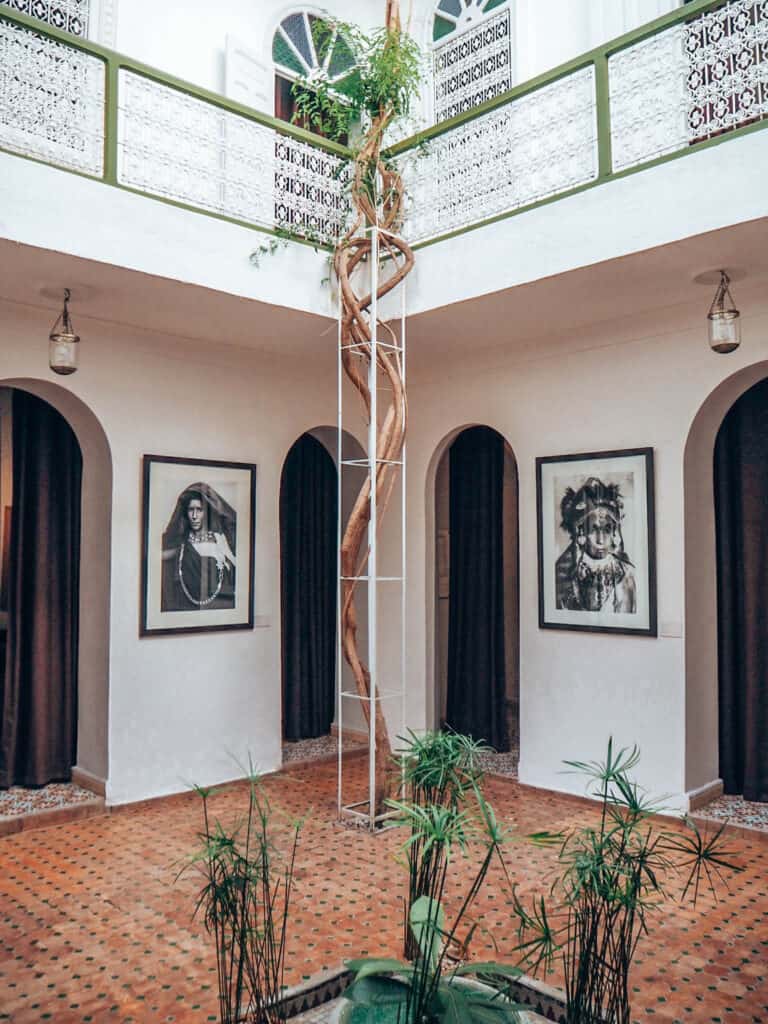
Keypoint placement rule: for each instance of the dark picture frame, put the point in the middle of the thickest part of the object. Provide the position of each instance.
(596, 535)
(198, 538)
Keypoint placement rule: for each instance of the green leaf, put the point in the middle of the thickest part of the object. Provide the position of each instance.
(452, 1004)
(366, 968)
(489, 969)
(428, 924)
(378, 990)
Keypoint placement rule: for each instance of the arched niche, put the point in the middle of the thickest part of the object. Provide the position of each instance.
(92, 766)
(701, 678)
(437, 546)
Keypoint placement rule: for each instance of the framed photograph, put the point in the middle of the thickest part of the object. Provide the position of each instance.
(198, 538)
(597, 563)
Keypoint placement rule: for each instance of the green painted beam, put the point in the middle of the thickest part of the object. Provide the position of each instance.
(603, 104)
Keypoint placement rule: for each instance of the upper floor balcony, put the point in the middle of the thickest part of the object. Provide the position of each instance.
(677, 86)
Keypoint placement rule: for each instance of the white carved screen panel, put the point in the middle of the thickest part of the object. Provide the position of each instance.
(473, 66)
(68, 15)
(186, 149)
(51, 100)
(689, 83)
(537, 146)
(648, 99)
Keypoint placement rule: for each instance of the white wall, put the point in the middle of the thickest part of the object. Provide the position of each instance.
(181, 706)
(188, 38)
(608, 386)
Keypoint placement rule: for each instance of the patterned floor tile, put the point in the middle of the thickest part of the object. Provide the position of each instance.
(96, 922)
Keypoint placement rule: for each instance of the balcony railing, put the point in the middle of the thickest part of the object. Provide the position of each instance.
(687, 80)
(79, 106)
(680, 82)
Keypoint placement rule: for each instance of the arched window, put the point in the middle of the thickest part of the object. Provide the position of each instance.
(303, 46)
(457, 15)
(472, 58)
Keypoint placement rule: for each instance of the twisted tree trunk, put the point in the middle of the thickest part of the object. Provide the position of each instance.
(377, 197)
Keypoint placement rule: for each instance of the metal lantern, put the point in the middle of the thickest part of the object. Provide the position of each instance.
(724, 319)
(63, 343)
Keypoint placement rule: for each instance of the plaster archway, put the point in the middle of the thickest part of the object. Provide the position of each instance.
(701, 671)
(436, 615)
(92, 766)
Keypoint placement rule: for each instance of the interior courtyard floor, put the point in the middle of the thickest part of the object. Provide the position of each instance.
(96, 924)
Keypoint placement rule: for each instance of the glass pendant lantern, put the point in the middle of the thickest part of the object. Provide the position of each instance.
(63, 343)
(724, 319)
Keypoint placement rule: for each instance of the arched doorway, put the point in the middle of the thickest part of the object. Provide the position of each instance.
(41, 649)
(741, 526)
(477, 681)
(308, 568)
(702, 608)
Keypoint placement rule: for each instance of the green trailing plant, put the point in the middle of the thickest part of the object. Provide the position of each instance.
(437, 987)
(244, 903)
(386, 72)
(612, 878)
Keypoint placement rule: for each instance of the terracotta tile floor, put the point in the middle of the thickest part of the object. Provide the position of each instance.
(93, 926)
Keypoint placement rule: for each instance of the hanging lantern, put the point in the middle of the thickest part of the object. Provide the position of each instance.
(63, 343)
(724, 319)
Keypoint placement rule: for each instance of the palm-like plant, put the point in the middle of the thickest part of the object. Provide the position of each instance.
(244, 902)
(440, 769)
(613, 878)
(433, 988)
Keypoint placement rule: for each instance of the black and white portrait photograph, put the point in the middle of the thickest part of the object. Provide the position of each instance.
(596, 541)
(198, 545)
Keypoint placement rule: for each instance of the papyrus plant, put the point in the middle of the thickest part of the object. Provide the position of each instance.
(244, 903)
(612, 878)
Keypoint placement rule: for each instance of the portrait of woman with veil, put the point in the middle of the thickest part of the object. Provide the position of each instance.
(199, 563)
(198, 545)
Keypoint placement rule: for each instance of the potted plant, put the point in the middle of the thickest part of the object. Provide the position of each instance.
(612, 878)
(445, 814)
(244, 902)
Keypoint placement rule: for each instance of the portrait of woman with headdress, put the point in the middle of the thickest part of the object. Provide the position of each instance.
(198, 560)
(595, 573)
(596, 541)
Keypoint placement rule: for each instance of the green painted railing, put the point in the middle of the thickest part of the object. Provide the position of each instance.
(482, 166)
(62, 102)
(91, 111)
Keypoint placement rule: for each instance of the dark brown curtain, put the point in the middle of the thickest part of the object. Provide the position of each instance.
(741, 515)
(38, 697)
(476, 702)
(308, 503)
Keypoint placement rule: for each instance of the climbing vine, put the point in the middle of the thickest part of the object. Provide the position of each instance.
(380, 89)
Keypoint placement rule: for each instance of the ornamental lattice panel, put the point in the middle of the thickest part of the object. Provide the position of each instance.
(68, 15)
(51, 100)
(186, 149)
(473, 67)
(537, 146)
(691, 82)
